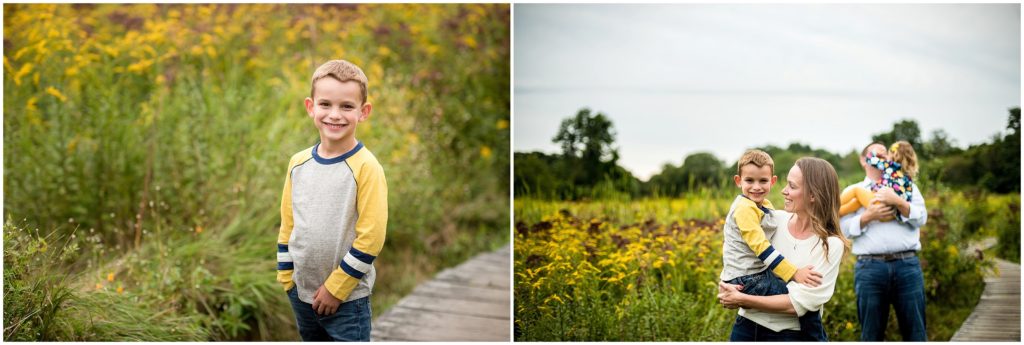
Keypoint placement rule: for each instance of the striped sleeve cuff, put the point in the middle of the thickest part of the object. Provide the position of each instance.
(356, 263)
(771, 257)
(284, 260)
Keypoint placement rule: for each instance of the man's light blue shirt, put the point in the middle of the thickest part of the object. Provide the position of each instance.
(901, 234)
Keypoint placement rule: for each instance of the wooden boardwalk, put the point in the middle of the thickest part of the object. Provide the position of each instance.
(997, 315)
(468, 302)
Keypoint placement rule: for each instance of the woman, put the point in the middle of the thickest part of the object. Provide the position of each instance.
(808, 234)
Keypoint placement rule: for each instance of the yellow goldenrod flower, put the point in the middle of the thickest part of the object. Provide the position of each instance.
(31, 104)
(99, 286)
(7, 65)
(199, 229)
(120, 289)
(502, 124)
(24, 70)
(110, 277)
(485, 152)
(469, 41)
(56, 93)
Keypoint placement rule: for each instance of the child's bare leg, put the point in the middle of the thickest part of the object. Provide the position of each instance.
(853, 199)
(864, 196)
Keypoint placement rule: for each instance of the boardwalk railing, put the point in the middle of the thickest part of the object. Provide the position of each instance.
(469, 302)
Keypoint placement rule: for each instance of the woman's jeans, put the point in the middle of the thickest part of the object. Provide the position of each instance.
(879, 284)
(746, 330)
(767, 284)
(350, 323)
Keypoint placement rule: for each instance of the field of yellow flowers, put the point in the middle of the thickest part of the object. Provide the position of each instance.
(145, 149)
(647, 270)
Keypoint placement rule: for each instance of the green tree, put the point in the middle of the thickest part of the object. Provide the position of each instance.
(905, 129)
(940, 144)
(586, 141)
(536, 175)
(702, 168)
(698, 169)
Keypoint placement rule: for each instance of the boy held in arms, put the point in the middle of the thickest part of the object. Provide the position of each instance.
(334, 213)
(748, 257)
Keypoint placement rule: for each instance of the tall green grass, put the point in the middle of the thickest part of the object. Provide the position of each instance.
(665, 309)
(156, 139)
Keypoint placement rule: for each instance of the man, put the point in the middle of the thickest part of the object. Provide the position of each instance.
(888, 271)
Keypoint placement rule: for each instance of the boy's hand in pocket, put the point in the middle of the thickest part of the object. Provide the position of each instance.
(324, 303)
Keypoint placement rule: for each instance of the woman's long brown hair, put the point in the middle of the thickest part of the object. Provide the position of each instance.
(822, 184)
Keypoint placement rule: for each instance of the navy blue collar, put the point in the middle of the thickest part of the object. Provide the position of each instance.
(763, 209)
(338, 159)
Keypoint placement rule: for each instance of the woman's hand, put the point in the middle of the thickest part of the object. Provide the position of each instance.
(729, 295)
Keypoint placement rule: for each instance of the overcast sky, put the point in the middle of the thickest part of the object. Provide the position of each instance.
(684, 78)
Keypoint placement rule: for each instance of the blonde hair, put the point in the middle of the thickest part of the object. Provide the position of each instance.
(902, 152)
(756, 157)
(342, 71)
(822, 185)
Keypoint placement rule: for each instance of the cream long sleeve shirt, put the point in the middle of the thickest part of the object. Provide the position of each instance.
(802, 253)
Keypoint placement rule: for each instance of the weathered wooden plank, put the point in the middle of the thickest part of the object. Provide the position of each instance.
(468, 302)
(997, 315)
(438, 288)
(484, 266)
(457, 306)
(404, 316)
(427, 333)
(476, 279)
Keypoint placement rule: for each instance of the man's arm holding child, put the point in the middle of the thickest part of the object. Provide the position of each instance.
(912, 213)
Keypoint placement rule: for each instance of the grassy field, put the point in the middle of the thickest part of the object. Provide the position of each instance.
(647, 270)
(145, 149)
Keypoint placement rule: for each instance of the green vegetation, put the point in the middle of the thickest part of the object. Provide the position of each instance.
(645, 270)
(148, 145)
(993, 167)
(611, 258)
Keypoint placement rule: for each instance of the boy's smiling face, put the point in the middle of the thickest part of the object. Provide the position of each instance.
(336, 109)
(755, 182)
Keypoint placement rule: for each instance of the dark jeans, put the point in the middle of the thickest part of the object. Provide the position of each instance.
(746, 330)
(766, 283)
(350, 323)
(899, 283)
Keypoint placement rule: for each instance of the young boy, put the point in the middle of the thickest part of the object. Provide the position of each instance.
(334, 212)
(748, 258)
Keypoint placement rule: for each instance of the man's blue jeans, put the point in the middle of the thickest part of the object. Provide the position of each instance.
(350, 323)
(765, 283)
(899, 283)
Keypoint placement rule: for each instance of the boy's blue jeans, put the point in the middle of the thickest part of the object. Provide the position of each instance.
(767, 284)
(350, 323)
(900, 283)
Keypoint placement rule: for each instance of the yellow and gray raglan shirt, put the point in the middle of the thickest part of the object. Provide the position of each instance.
(334, 213)
(746, 249)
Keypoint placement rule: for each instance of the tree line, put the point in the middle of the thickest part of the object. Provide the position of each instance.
(587, 167)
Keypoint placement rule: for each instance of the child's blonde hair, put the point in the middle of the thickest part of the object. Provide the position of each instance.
(902, 152)
(342, 71)
(756, 157)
